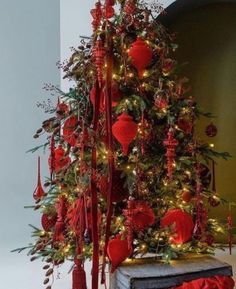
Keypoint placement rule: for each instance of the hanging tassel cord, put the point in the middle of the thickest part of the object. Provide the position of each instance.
(94, 199)
(108, 97)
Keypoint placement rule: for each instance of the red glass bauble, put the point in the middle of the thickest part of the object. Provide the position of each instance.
(211, 130)
(61, 160)
(48, 221)
(141, 55)
(119, 192)
(125, 130)
(69, 130)
(182, 224)
(117, 251)
(186, 196)
(214, 201)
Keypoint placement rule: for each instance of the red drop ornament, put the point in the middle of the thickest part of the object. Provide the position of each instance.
(186, 196)
(117, 252)
(125, 130)
(211, 130)
(39, 192)
(141, 55)
(183, 225)
(69, 130)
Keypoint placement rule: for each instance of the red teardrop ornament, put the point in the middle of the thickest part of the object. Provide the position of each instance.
(69, 129)
(141, 55)
(125, 130)
(117, 252)
(39, 192)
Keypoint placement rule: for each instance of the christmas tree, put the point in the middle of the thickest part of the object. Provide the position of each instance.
(128, 176)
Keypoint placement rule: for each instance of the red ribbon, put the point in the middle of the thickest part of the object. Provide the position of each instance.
(94, 199)
(108, 104)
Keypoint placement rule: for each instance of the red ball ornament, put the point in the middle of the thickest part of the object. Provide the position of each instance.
(119, 192)
(141, 55)
(211, 130)
(140, 214)
(214, 201)
(69, 130)
(117, 252)
(182, 223)
(125, 130)
(186, 196)
(48, 221)
(185, 125)
(61, 160)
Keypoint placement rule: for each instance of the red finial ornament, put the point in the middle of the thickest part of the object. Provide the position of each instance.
(39, 192)
(99, 55)
(97, 15)
(141, 55)
(171, 144)
(125, 130)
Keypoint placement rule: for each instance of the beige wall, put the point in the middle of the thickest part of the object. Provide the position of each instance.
(207, 40)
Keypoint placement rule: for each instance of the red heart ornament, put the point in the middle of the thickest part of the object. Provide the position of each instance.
(117, 252)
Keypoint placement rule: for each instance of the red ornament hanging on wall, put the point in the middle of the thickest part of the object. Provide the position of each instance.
(99, 55)
(211, 130)
(141, 55)
(182, 223)
(171, 144)
(39, 192)
(125, 131)
(61, 160)
(117, 251)
(69, 130)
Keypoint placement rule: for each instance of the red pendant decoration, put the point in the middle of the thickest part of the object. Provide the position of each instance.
(99, 55)
(171, 144)
(61, 160)
(69, 130)
(182, 223)
(140, 215)
(39, 192)
(97, 15)
(211, 130)
(119, 192)
(117, 252)
(186, 196)
(141, 55)
(125, 131)
(48, 221)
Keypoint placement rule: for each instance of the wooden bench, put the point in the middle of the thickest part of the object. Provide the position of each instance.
(148, 274)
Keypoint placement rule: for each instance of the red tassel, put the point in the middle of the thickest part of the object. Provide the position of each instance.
(39, 192)
(79, 278)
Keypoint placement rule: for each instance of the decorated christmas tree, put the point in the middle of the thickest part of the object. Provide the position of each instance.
(128, 176)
